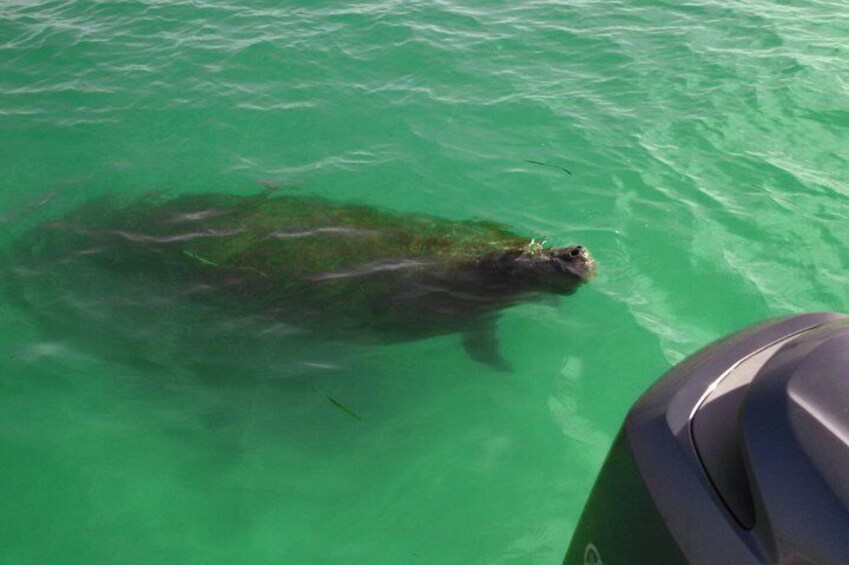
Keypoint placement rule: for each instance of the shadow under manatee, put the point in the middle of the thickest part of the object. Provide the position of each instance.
(209, 381)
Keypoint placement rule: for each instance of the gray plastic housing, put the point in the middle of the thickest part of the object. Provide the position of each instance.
(795, 428)
(744, 447)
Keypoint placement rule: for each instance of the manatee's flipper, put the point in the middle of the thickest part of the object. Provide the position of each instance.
(481, 344)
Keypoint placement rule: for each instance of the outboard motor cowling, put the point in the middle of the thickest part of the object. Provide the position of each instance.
(739, 454)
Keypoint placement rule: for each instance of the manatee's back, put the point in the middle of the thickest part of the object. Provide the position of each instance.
(308, 238)
(293, 235)
(310, 257)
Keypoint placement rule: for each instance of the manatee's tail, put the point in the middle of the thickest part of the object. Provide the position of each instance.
(24, 261)
(38, 251)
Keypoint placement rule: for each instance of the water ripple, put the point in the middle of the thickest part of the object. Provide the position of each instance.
(707, 142)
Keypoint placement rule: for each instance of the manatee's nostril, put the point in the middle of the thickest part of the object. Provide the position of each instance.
(577, 251)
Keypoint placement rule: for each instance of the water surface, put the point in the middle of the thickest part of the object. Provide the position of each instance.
(707, 149)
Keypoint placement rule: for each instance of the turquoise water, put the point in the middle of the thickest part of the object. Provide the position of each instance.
(707, 146)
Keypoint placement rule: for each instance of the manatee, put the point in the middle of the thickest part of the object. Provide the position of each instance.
(345, 272)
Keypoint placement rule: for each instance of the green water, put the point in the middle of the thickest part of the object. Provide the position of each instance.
(707, 145)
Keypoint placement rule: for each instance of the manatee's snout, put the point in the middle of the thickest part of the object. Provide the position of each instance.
(575, 259)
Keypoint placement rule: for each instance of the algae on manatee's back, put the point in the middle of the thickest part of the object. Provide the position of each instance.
(344, 271)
